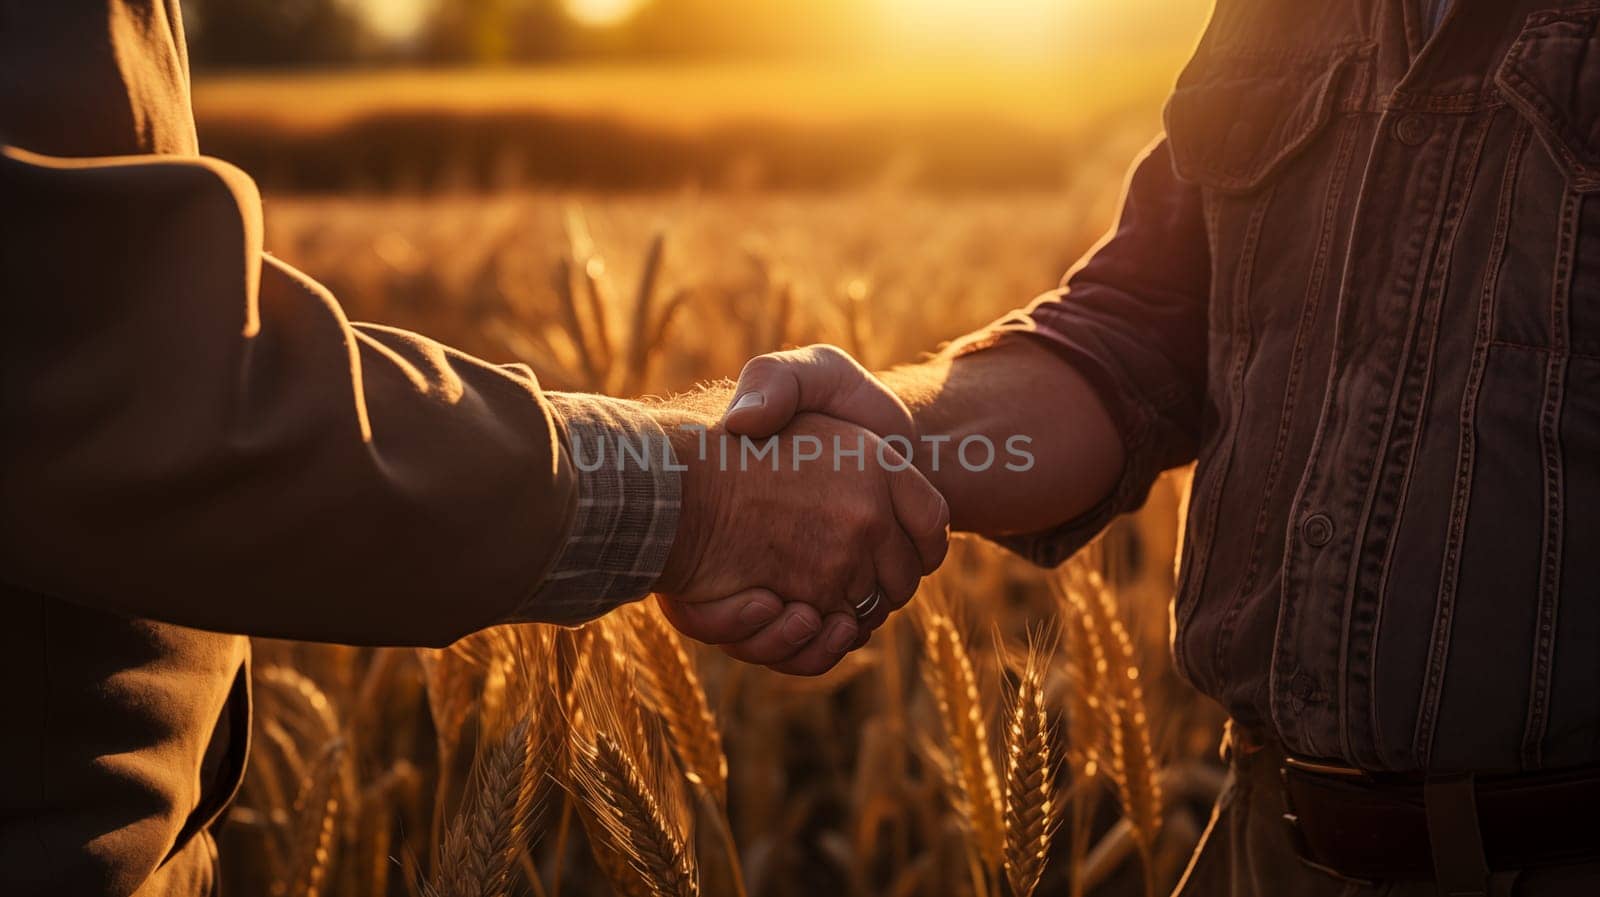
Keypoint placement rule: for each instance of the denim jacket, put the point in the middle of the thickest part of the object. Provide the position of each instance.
(1359, 282)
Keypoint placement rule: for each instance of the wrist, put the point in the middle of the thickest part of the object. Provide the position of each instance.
(686, 435)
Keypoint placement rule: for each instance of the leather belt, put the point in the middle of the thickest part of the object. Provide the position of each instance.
(1449, 829)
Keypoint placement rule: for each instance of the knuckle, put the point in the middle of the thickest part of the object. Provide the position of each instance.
(760, 366)
(898, 595)
(836, 575)
(932, 512)
(858, 518)
(821, 587)
(827, 353)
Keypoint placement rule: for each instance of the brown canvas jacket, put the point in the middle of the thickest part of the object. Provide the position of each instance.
(197, 442)
(1359, 283)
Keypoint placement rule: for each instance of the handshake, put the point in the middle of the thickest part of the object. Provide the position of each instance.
(804, 522)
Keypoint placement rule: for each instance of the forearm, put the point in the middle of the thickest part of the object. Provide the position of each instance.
(210, 443)
(1016, 394)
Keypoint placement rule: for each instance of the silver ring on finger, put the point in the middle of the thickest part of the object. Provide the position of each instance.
(867, 605)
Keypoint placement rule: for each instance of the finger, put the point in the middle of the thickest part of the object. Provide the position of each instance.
(923, 515)
(730, 619)
(899, 571)
(823, 652)
(897, 568)
(774, 388)
(868, 603)
(796, 627)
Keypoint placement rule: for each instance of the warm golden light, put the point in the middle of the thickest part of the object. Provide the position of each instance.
(967, 26)
(396, 19)
(601, 12)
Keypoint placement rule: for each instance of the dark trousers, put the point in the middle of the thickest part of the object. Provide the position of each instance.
(1247, 851)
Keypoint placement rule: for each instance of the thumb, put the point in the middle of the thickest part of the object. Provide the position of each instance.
(773, 388)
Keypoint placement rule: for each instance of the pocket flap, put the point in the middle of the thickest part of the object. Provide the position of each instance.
(1552, 76)
(1237, 123)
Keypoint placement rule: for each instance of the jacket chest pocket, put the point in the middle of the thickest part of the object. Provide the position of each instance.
(1234, 122)
(1549, 290)
(1256, 132)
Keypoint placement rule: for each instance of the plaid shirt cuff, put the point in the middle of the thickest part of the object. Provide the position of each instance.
(628, 502)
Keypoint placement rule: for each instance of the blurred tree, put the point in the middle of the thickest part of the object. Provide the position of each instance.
(494, 31)
(751, 27)
(259, 33)
(241, 33)
(470, 30)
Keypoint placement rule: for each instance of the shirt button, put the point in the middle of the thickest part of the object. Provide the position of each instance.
(1317, 530)
(1412, 130)
(1304, 688)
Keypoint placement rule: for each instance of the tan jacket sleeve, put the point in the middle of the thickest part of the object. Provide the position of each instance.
(194, 433)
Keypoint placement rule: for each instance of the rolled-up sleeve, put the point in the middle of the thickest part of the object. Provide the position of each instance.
(1131, 318)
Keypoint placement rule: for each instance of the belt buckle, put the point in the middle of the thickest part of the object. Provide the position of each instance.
(1291, 816)
(1322, 767)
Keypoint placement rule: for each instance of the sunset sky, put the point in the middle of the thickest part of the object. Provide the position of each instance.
(973, 28)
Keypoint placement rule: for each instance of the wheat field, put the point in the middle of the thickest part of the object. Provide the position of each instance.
(1015, 731)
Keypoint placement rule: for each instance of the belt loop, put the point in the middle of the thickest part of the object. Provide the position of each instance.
(1459, 864)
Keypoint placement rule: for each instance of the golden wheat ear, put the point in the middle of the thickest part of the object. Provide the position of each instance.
(1129, 754)
(1031, 815)
(620, 776)
(670, 685)
(316, 812)
(950, 676)
(620, 796)
(510, 775)
(481, 846)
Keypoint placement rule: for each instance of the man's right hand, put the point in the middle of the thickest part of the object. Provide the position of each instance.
(800, 547)
(773, 388)
(1012, 392)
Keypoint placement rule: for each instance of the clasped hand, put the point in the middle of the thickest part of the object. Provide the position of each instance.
(799, 539)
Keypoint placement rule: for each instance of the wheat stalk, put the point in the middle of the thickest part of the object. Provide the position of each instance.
(316, 813)
(572, 320)
(950, 676)
(854, 300)
(591, 265)
(511, 769)
(631, 822)
(669, 313)
(377, 802)
(671, 686)
(614, 867)
(641, 333)
(1030, 819)
(1088, 727)
(303, 703)
(450, 680)
(1131, 763)
(615, 770)
(481, 846)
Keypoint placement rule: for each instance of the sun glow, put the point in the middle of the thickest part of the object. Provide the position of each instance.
(396, 20)
(1023, 27)
(600, 13)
